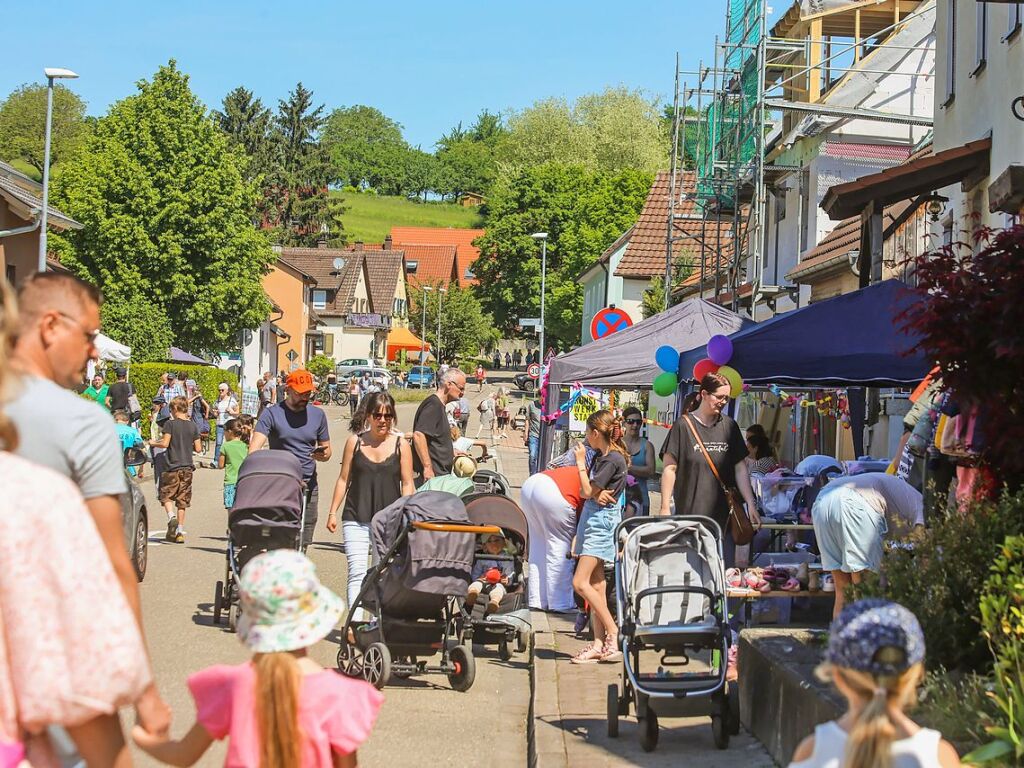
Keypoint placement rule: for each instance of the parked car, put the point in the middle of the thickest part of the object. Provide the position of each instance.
(345, 367)
(381, 376)
(524, 382)
(420, 376)
(135, 520)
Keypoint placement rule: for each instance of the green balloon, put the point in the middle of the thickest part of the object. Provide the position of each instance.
(665, 384)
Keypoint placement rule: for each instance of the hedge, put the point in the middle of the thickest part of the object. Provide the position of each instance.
(145, 377)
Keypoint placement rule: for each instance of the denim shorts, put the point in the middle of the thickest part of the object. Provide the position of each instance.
(595, 532)
(849, 531)
(229, 495)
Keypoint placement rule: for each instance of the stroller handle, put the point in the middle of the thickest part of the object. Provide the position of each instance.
(455, 527)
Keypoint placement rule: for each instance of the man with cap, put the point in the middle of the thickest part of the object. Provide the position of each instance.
(301, 429)
(118, 394)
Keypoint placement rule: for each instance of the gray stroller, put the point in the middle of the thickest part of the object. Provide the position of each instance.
(423, 555)
(670, 596)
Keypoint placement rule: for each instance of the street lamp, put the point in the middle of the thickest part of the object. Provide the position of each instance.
(52, 73)
(439, 292)
(543, 237)
(423, 332)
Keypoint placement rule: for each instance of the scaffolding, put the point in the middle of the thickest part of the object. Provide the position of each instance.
(728, 113)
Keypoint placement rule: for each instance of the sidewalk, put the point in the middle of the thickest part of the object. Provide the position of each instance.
(569, 726)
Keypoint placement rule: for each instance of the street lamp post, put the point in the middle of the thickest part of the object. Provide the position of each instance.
(423, 333)
(543, 237)
(439, 292)
(52, 73)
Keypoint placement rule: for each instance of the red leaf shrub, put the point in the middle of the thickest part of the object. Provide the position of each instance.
(971, 320)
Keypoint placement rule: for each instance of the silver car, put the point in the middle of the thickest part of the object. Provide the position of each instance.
(135, 519)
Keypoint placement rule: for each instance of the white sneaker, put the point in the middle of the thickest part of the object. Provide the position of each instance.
(828, 584)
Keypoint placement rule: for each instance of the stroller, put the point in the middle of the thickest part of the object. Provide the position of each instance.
(670, 594)
(423, 549)
(511, 622)
(269, 511)
(491, 481)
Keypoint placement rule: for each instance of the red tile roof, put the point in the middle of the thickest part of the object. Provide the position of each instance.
(435, 264)
(645, 254)
(462, 239)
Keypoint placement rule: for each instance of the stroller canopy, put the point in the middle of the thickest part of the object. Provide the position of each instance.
(498, 509)
(270, 487)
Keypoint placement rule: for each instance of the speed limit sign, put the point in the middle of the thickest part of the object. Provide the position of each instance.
(533, 371)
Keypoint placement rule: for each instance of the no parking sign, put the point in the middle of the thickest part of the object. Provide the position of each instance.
(607, 321)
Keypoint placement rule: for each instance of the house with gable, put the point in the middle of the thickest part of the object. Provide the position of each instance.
(431, 250)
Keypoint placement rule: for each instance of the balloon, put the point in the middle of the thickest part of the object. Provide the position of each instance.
(703, 368)
(667, 359)
(719, 349)
(735, 380)
(665, 384)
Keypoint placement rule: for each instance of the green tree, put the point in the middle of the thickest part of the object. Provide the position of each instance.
(583, 211)
(465, 327)
(134, 320)
(167, 217)
(366, 149)
(320, 365)
(467, 156)
(249, 124)
(653, 300)
(23, 125)
(610, 131)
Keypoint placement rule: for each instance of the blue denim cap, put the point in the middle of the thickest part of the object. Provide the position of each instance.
(867, 626)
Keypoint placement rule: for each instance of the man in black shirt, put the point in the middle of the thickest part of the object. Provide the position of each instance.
(119, 393)
(433, 452)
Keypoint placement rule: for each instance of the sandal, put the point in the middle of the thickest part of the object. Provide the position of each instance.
(734, 577)
(792, 585)
(754, 578)
(610, 651)
(588, 655)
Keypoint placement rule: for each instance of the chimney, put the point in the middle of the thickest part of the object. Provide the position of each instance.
(387, 243)
(359, 245)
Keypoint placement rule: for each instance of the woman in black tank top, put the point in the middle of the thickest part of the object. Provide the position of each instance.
(376, 470)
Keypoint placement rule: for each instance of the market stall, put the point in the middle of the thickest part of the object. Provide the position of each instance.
(626, 359)
(109, 351)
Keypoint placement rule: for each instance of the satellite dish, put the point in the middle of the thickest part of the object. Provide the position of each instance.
(339, 263)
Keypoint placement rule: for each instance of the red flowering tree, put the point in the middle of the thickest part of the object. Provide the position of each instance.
(971, 320)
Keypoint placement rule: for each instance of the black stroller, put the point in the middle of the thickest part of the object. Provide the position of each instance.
(511, 622)
(269, 510)
(423, 550)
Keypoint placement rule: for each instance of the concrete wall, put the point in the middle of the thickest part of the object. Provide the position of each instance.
(287, 290)
(624, 293)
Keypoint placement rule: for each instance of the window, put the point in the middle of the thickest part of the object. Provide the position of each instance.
(319, 299)
(328, 343)
(1014, 19)
(980, 37)
(805, 209)
(411, 267)
(950, 51)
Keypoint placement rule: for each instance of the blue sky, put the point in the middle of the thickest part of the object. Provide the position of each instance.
(427, 65)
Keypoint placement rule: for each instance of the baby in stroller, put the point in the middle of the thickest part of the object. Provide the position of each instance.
(490, 574)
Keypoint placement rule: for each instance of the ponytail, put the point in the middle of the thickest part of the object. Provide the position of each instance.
(604, 422)
(277, 710)
(869, 744)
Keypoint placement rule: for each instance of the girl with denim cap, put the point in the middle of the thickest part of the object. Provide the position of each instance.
(282, 709)
(876, 660)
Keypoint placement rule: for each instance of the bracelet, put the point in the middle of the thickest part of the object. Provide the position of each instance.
(332, 514)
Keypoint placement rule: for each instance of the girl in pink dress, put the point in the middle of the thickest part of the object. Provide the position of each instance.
(282, 709)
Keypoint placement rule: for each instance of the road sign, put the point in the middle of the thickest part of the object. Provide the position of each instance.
(534, 321)
(607, 321)
(292, 354)
(533, 371)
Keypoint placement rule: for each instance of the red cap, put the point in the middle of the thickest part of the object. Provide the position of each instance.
(300, 381)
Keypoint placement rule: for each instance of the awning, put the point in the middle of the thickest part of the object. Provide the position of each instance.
(903, 182)
(278, 331)
(178, 355)
(111, 350)
(403, 338)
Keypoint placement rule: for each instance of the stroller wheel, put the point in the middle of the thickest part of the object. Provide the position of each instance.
(504, 652)
(648, 731)
(613, 711)
(218, 601)
(461, 679)
(377, 665)
(522, 641)
(733, 697)
(233, 617)
(350, 661)
(720, 730)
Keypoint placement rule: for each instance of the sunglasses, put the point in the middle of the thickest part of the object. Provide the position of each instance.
(634, 422)
(384, 415)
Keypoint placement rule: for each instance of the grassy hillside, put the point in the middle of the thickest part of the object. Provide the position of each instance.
(370, 217)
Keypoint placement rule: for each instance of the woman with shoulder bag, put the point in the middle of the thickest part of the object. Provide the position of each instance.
(705, 467)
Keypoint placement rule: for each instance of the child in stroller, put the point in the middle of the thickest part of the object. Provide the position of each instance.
(491, 575)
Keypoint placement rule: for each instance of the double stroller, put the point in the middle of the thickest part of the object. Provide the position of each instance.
(510, 624)
(671, 600)
(423, 548)
(269, 512)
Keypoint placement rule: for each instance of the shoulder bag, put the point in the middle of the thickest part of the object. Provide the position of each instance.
(739, 523)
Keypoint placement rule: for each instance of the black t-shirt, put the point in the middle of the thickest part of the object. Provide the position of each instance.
(432, 421)
(609, 472)
(696, 491)
(183, 436)
(119, 392)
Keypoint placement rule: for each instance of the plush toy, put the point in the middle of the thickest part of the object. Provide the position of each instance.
(493, 575)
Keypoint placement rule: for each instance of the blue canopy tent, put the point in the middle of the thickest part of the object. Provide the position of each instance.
(849, 341)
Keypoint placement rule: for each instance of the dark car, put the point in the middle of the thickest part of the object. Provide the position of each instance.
(135, 520)
(524, 382)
